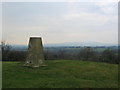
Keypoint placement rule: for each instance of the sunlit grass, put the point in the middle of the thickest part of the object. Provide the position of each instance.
(61, 74)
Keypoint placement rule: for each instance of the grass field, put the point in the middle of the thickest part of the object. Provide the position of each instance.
(61, 74)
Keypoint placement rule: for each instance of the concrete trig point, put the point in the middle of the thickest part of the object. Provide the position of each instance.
(35, 57)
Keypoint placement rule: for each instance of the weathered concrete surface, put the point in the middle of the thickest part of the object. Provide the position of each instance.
(35, 57)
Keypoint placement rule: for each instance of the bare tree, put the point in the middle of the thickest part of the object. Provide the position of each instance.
(87, 53)
(109, 56)
(5, 48)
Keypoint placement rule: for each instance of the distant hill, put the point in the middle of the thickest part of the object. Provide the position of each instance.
(19, 47)
(66, 44)
(81, 44)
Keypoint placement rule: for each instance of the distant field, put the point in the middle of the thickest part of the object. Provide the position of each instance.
(61, 74)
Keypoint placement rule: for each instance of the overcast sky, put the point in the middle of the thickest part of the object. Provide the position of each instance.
(58, 22)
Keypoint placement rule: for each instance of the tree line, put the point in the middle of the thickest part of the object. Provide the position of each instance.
(85, 54)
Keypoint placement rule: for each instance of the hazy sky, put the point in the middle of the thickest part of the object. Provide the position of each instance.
(58, 22)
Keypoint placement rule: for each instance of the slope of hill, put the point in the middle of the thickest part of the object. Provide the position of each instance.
(61, 74)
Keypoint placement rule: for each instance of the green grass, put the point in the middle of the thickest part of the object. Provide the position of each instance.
(61, 74)
(0, 75)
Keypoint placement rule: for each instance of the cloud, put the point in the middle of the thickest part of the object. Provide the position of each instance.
(60, 1)
(61, 22)
(90, 18)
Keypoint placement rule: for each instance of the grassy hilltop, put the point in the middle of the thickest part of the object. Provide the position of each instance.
(61, 74)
